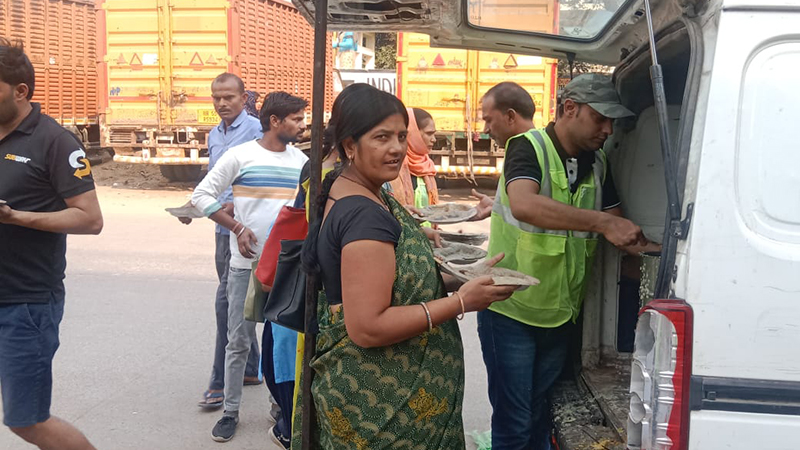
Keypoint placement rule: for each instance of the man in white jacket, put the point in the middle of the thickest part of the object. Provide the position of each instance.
(263, 175)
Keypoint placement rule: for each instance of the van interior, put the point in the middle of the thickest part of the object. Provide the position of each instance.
(601, 364)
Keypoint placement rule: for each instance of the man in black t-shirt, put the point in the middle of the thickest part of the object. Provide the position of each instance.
(47, 191)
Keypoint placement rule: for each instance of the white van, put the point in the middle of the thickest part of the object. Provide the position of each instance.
(716, 364)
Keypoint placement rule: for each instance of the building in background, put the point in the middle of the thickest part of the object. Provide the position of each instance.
(354, 50)
(354, 59)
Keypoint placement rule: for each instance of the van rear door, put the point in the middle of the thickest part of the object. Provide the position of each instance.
(742, 259)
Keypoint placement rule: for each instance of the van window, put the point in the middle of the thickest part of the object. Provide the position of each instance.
(582, 19)
(767, 176)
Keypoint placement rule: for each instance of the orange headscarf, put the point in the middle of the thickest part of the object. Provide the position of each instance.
(417, 163)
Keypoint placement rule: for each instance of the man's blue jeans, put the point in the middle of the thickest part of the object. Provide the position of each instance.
(522, 363)
(222, 257)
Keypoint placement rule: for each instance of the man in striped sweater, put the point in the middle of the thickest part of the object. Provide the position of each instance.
(263, 174)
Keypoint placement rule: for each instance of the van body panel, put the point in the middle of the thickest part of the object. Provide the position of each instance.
(743, 258)
(718, 430)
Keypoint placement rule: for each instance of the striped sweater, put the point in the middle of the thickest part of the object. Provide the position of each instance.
(263, 182)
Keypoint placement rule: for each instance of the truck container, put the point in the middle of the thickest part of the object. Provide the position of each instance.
(449, 85)
(60, 38)
(159, 58)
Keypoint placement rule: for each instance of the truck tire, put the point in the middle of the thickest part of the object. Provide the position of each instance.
(181, 173)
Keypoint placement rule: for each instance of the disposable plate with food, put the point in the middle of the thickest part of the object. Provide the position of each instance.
(501, 276)
(464, 238)
(185, 211)
(457, 253)
(446, 213)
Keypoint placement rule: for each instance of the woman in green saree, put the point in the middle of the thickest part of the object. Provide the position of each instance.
(388, 369)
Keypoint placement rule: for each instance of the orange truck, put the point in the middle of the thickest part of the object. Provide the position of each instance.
(449, 85)
(60, 38)
(157, 61)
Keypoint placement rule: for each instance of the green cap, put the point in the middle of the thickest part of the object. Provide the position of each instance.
(598, 92)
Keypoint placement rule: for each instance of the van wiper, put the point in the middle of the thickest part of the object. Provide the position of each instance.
(675, 230)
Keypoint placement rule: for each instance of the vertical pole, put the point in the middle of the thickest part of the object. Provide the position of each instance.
(315, 182)
(673, 198)
(165, 68)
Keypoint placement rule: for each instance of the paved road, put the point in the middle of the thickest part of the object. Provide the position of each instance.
(137, 335)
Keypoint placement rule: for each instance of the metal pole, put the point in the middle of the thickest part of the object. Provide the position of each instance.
(315, 182)
(651, 34)
(673, 200)
(660, 103)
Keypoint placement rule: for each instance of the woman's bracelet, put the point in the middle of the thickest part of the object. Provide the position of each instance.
(428, 315)
(463, 309)
(241, 231)
(234, 227)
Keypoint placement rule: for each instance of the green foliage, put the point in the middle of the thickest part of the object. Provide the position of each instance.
(581, 67)
(386, 51)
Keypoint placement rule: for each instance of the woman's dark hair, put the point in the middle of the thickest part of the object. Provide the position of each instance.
(250, 103)
(305, 172)
(359, 108)
(328, 141)
(422, 117)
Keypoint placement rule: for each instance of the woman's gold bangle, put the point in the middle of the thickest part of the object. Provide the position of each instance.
(463, 309)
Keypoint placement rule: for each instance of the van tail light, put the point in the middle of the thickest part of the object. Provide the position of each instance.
(660, 377)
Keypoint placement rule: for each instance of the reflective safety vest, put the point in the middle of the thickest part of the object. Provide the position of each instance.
(561, 260)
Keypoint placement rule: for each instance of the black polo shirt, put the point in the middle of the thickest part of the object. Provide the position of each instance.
(521, 163)
(41, 164)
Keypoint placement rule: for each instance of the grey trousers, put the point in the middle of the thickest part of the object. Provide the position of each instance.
(222, 257)
(241, 335)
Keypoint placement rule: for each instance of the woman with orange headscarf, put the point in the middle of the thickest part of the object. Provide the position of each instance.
(416, 184)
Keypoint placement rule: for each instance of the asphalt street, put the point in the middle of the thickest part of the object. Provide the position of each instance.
(138, 332)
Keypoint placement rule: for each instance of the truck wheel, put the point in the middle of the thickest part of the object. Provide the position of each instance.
(181, 173)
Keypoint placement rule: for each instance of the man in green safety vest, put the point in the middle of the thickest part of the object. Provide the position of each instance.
(555, 197)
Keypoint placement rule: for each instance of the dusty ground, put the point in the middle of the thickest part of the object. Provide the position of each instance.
(148, 177)
(135, 176)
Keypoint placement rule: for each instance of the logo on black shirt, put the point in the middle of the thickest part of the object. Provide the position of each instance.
(15, 158)
(78, 161)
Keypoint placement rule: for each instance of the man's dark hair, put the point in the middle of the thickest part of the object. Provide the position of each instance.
(15, 67)
(279, 104)
(223, 77)
(509, 95)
